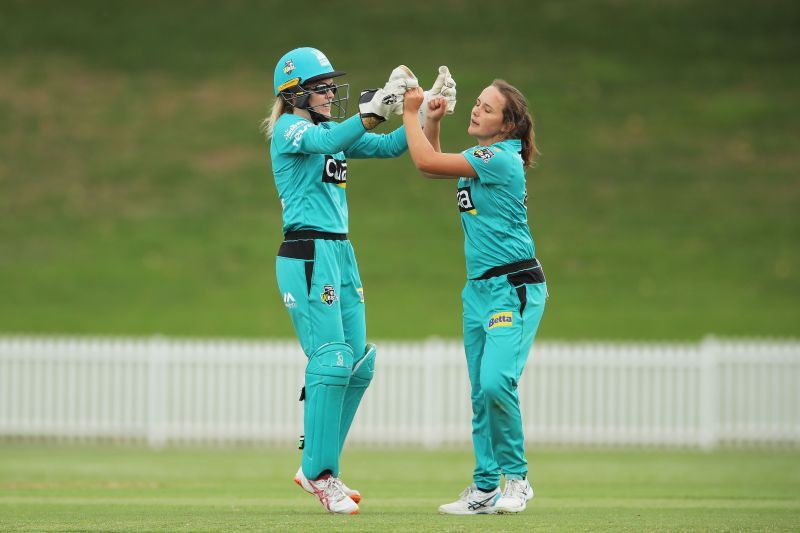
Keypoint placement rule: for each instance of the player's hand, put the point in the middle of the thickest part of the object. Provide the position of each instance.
(400, 80)
(444, 86)
(376, 105)
(448, 90)
(413, 100)
(436, 108)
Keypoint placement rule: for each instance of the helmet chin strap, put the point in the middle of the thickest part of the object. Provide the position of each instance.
(317, 117)
(302, 103)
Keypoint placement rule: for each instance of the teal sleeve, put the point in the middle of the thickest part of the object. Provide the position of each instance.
(379, 145)
(303, 137)
(491, 165)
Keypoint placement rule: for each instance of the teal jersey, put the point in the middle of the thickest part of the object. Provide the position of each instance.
(494, 212)
(309, 163)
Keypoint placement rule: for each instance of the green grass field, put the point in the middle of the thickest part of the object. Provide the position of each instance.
(136, 196)
(121, 489)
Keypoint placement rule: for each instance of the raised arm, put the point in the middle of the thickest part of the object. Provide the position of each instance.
(433, 164)
(306, 138)
(377, 145)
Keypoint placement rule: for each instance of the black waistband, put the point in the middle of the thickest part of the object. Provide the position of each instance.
(502, 270)
(308, 234)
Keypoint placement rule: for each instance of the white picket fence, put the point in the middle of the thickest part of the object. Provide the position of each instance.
(164, 391)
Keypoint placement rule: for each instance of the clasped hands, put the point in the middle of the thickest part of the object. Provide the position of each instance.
(403, 90)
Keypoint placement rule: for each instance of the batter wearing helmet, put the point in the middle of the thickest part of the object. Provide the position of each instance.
(316, 268)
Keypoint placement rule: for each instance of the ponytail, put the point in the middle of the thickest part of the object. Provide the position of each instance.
(516, 113)
(279, 107)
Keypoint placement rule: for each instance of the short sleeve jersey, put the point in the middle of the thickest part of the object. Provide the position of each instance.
(494, 213)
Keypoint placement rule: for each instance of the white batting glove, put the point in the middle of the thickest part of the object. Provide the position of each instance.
(400, 80)
(449, 90)
(376, 105)
(444, 85)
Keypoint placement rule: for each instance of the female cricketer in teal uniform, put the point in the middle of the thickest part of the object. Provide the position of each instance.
(505, 293)
(316, 268)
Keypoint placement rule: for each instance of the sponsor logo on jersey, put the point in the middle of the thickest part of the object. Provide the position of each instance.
(328, 294)
(484, 154)
(296, 130)
(335, 171)
(503, 319)
(289, 301)
(465, 204)
(360, 292)
(288, 67)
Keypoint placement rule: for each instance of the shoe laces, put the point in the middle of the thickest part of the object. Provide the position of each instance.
(515, 488)
(466, 494)
(331, 488)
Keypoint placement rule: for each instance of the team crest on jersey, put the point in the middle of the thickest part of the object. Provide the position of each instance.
(335, 171)
(328, 294)
(503, 319)
(288, 67)
(485, 154)
(465, 204)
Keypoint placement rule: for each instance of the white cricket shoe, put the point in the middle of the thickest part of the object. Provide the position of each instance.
(472, 501)
(516, 494)
(353, 493)
(329, 491)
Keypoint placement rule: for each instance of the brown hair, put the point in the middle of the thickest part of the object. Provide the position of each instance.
(516, 113)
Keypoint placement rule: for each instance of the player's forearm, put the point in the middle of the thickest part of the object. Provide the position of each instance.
(431, 132)
(317, 140)
(419, 147)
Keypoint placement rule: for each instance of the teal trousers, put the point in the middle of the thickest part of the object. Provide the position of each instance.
(501, 316)
(321, 289)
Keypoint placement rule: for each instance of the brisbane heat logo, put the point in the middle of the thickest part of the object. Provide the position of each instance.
(485, 154)
(328, 295)
(335, 171)
(465, 204)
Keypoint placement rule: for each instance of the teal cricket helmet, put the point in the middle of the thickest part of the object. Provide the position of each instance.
(302, 66)
(295, 77)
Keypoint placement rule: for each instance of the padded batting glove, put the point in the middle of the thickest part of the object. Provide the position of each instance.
(445, 86)
(375, 105)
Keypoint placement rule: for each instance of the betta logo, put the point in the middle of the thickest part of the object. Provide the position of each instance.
(288, 67)
(335, 171)
(465, 204)
(328, 295)
(501, 320)
(485, 154)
